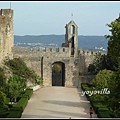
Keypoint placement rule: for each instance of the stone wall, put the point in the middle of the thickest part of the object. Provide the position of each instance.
(33, 57)
(86, 57)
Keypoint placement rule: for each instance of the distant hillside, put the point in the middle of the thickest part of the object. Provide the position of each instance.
(84, 42)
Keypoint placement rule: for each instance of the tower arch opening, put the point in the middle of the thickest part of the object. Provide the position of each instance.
(72, 29)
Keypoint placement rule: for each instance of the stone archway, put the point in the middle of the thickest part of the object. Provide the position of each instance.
(58, 74)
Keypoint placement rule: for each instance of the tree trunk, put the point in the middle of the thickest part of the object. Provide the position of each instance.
(15, 99)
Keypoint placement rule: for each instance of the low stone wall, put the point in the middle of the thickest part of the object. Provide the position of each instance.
(36, 87)
(86, 79)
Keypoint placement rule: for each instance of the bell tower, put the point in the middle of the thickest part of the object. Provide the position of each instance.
(71, 38)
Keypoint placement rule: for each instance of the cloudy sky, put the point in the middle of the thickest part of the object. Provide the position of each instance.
(44, 17)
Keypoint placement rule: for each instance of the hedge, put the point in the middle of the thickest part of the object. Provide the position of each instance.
(4, 114)
(15, 110)
(9, 105)
(88, 97)
(14, 114)
(103, 113)
(4, 111)
(83, 86)
(96, 105)
(22, 103)
(28, 92)
(7, 101)
(86, 87)
(101, 110)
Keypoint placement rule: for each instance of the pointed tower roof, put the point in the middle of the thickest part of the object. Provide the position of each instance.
(72, 23)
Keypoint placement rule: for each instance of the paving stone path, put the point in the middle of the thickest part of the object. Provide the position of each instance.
(57, 102)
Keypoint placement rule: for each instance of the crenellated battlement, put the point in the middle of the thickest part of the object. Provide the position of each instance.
(37, 50)
(88, 52)
(45, 50)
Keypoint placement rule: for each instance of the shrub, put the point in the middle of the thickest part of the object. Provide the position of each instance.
(9, 105)
(4, 114)
(22, 103)
(28, 92)
(4, 111)
(2, 99)
(103, 113)
(96, 105)
(84, 86)
(88, 97)
(14, 114)
(7, 101)
(19, 67)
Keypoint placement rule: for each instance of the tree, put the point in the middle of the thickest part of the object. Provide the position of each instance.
(56, 68)
(19, 67)
(111, 80)
(114, 97)
(2, 80)
(16, 85)
(100, 62)
(103, 80)
(2, 99)
(39, 81)
(112, 59)
(114, 42)
(91, 68)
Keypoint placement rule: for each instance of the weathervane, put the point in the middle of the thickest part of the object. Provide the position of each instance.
(71, 16)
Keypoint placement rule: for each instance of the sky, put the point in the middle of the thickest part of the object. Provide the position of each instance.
(49, 17)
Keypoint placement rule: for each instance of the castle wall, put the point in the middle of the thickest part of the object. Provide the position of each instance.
(86, 57)
(32, 58)
(6, 33)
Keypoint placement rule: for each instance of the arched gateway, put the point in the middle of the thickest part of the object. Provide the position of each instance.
(58, 74)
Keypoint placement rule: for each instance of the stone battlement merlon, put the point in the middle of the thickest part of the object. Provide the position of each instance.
(6, 12)
(6, 16)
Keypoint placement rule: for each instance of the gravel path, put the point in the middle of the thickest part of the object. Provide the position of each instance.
(57, 102)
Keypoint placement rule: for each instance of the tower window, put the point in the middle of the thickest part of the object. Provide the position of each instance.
(50, 49)
(72, 30)
(63, 49)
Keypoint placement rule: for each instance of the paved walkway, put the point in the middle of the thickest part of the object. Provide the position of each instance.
(57, 102)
